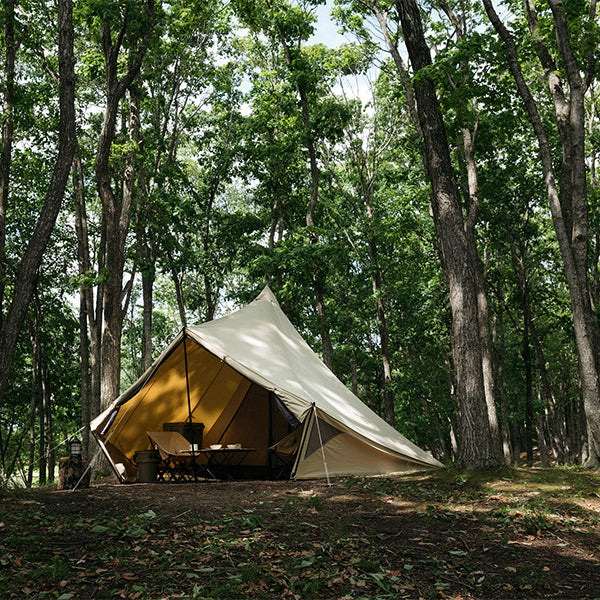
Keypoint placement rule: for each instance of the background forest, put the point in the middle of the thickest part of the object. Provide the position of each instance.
(163, 160)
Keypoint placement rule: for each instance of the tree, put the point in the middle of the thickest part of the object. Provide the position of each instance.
(567, 194)
(476, 444)
(26, 277)
(134, 30)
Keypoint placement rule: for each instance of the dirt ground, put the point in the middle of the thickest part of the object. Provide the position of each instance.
(417, 536)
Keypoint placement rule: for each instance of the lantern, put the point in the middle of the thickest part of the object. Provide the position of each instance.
(75, 449)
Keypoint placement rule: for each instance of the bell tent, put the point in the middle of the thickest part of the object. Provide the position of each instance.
(249, 379)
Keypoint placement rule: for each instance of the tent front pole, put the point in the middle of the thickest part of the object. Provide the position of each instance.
(321, 444)
(189, 403)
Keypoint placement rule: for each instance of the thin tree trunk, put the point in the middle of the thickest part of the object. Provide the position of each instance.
(498, 338)
(49, 426)
(116, 211)
(366, 179)
(42, 415)
(317, 274)
(146, 258)
(35, 387)
(555, 417)
(86, 313)
(518, 260)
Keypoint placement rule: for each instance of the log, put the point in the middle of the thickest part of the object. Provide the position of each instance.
(70, 471)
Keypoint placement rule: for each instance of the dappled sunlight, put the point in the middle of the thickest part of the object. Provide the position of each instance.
(445, 535)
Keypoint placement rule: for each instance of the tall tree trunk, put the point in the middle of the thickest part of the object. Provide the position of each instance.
(84, 376)
(569, 208)
(483, 315)
(476, 446)
(35, 394)
(44, 401)
(26, 276)
(518, 260)
(48, 424)
(10, 49)
(498, 336)
(366, 168)
(90, 350)
(116, 209)
(466, 151)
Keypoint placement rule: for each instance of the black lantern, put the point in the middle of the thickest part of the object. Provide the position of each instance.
(75, 449)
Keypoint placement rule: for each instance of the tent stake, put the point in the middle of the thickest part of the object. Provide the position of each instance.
(187, 384)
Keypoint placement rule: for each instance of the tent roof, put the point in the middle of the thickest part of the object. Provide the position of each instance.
(261, 343)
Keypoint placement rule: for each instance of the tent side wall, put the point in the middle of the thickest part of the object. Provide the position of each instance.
(347, 455)
(328, 449)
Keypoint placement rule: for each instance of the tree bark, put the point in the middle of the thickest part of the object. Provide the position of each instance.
(10, 46)
(26, 276)
(476, 447)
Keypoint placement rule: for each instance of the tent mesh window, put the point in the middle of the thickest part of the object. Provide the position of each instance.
(328, 432)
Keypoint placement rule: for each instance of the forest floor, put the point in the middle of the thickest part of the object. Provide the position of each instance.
(518, 533)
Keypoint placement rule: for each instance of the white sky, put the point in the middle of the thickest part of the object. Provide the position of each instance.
(326, 29)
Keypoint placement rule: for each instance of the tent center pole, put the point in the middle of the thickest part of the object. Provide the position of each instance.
(189, 403)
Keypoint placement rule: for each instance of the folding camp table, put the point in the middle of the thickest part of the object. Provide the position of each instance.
(180, 463)
(223, 460)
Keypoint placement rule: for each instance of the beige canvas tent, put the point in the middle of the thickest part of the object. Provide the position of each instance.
(249, 378)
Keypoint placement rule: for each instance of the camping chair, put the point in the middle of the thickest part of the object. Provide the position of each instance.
(284, 451)
(176, 460)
